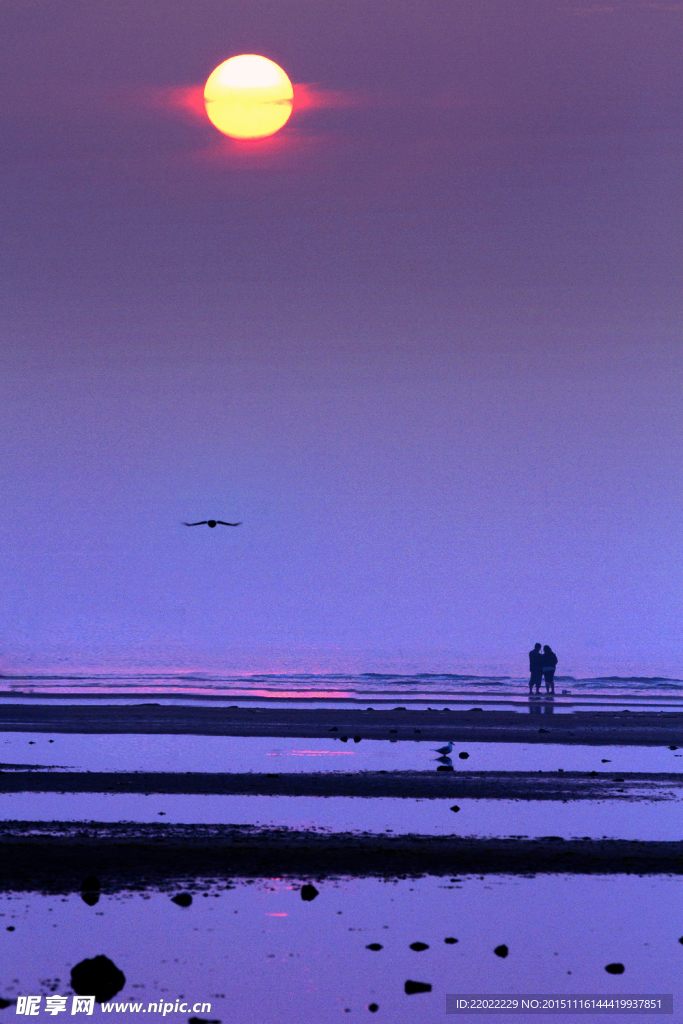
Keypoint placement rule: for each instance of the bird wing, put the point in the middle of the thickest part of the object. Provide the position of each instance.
(202, 522)
(223, 523)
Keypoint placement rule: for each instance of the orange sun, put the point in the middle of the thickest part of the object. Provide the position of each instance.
(248, 97)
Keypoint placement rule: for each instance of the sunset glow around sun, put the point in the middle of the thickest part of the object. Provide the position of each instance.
(248, 97)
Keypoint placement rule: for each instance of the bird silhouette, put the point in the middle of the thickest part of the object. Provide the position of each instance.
(444, 751)
(212, 523)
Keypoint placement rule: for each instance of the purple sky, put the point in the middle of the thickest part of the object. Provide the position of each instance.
(425, 341)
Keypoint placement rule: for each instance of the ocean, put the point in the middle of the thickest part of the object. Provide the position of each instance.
(364, 690)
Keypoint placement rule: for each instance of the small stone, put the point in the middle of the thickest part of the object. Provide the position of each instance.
(450, 940)
(98, 977)
(418, 946)
(374, 946)
(615, 968)
(606, 760)
(673, 747)
(411, 987)
(10, 928)
(91, 898)
(501, 951)
(445, 768)
(356, 739)
(373, 1007)
(344, 739)
(90, 884)
(463, 755)
(183, 899)
(455, 808)
(308, 892)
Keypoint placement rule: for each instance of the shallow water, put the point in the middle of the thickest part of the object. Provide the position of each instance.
(614, 819)
(259, 953)
(128, 752)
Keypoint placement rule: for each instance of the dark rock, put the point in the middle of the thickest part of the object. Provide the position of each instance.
(344, 739)
(615, 968)
(4, 1003)
(98, 977)
(445, 768)
(183, 899)
(681, 940)
(91, 898)
(411, 987)
(90, 884)
(356, 739)
(463, 755)
(673, 747)
(501, 951)
(455, 808)
(10, 928)
(308, 893)
(418, 946)
(606, 760)
(333, 729)
(450, 940)
(373, 1007)
(374, 946)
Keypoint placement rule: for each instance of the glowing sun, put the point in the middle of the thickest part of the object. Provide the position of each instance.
(248, 97)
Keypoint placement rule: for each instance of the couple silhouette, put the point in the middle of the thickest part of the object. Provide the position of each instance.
(542, 664)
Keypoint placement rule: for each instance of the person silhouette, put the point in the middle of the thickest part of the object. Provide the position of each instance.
(535, 668)
(549, 664)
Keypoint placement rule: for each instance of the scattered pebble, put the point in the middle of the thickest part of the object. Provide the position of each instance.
(673, 747)
(445, 768)
(183, 899)
(308, 892)
(418, 946)
(98, 977)
(615, 968)
(344, 739)
(411, 987)
(501, 951)
(356, 739)
(463, 755)
(10, 928)
(450, 940)
(606, 760)
(455, 808)
(374, 946)
(90, 898)
(373, 1007)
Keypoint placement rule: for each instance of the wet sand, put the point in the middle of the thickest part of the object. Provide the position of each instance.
(55, 857)
(407, 784)
(642, 728)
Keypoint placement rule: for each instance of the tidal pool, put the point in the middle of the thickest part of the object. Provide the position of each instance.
(614, 819)
(257, 952)
(133, 752)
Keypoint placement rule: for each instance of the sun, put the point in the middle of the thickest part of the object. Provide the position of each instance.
(248, 97)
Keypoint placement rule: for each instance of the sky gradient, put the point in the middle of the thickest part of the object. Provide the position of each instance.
(425, 342)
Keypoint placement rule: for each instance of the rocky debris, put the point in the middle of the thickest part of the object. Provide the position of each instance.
(455, 808)
(374, 946)
(501, 951)
(450, 940)
(615, 968)
(373, 1007)
(309, 892)
(463, 755)
(418, 946)
(411, 987)
(182, 899)
(99, 977)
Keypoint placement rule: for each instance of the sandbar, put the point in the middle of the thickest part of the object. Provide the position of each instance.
(640, 728)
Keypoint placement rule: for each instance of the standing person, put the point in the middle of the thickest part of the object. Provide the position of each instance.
(549, 664)
(535, 668)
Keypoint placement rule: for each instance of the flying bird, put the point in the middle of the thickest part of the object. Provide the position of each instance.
(212, 523)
